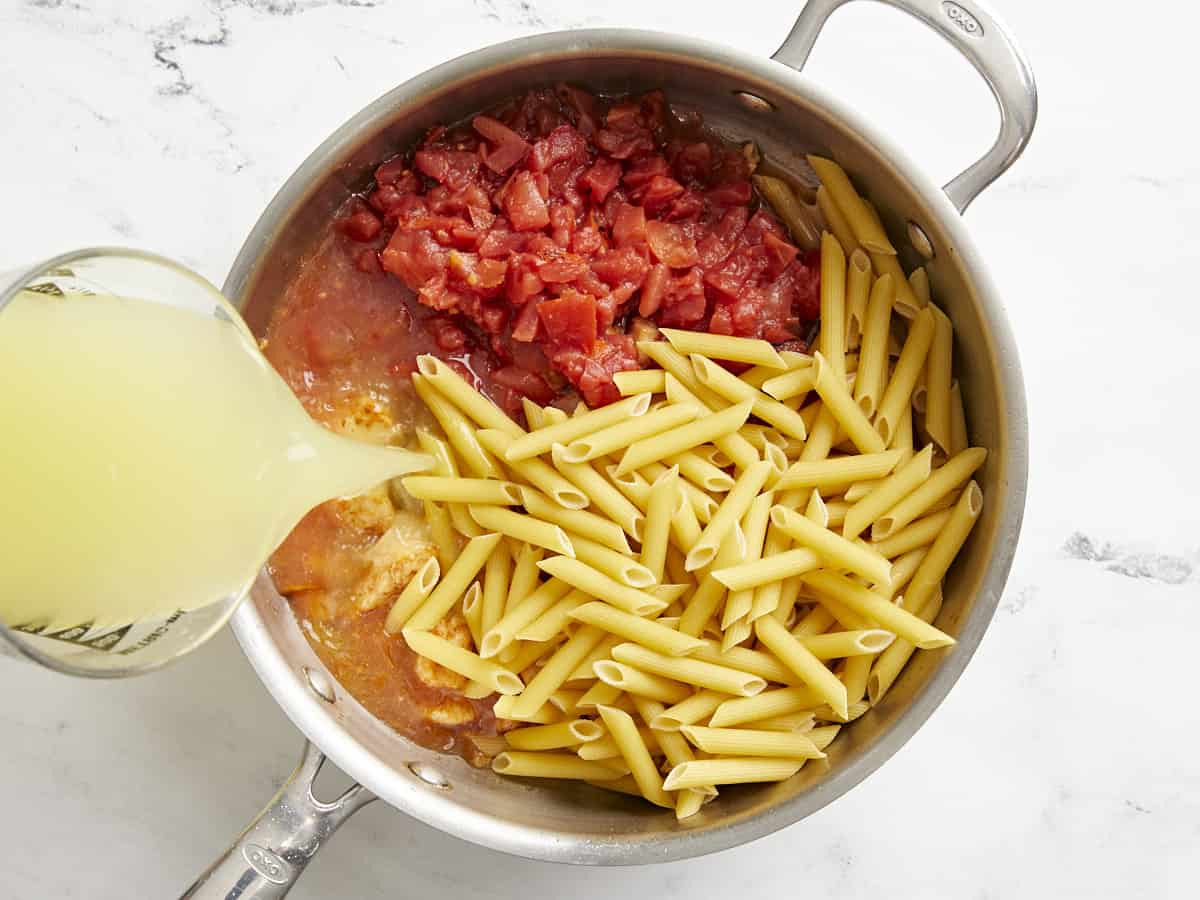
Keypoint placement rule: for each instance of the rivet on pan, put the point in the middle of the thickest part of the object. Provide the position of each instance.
(429, 775)
(920, 240)
(754, 102)
(319, 684)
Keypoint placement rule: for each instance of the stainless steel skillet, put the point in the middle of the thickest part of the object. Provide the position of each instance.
(773, 103)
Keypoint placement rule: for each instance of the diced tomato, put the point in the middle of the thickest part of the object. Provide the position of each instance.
(629, 225)
(525, 204)
(670, 244)
(659, 192)
(414, 257)
(509, 147)
(653, 290)
(526, 383)
(570, 320)
(601, 178)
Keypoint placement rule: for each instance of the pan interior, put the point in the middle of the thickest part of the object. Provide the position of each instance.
(787, 118)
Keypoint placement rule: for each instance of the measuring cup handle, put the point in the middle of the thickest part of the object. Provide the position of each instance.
(971, 28)
(270, 855)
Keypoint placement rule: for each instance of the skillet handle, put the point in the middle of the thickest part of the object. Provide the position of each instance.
(270, 855)
(971, 28)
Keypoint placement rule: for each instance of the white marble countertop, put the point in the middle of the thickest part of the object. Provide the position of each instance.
(1063, 764)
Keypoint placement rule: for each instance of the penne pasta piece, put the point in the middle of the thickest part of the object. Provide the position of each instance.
(695, 708)
(552, 765)
(832, 473)
(740, 602)
(843, 644)
(888, 493)
(461, 521)
(414, 594)
(467, 664)
(872, 363)
(837, 399)
(640, 684)
(454, 388)
(866, 228)
(730, 770)
(552, 675)
(796, 656)
(833, 304)
(801, 721)
(822, 737)
(542, 441)
(472, 608)
(938, 485)
(556, 736)
(701, 472)
(705, 430)
(575, 521)
(834, 549)
(617, 566)
(553, 620)
(753, 573)
(756, 376)
(534, 417)
(893, 660)
(595, 583)
(821, 436)
(538, 473)
(858, 289)
(737, 632)
(522, 527)
(918, 281)
(543, 715)
(744, 659)
(854, 676)
(664, 498)
(734, 506)
(607, 748)
(782, 701)
(640, 381)
(958, 422)
(601, 494)
(497, 576)
(791, 384)
(816, 621)
(517, 618)
(920, 533)
(458, 430)
(454, 489)
(603, 650)
(646, 632)
(944, 549)
(633, 749)
(454, 582)
(903, 569)
(796, 215)
(735, 390)
(565, 700)
(711, 592)
(599, 694)
(767, 595)
(690, 671)
(685, 529)
(938, 366)
(853, 711)
(875, 607)
(753, 351)
(835, 219)
(751, 742)
(621, 435)
(898, 394)
(524, 575)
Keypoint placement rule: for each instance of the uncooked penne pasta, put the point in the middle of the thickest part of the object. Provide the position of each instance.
(941, 554)
(640, 381)
(898, 394)
(664, 498)
(711, 592)
(618, 566)
(552, 675)
(892, 661)
(858, 289)
(602, 495)
(834, 549)
(454, 582)
(866, 228)
(791, 384)
(730, 770)
(633, 749)
(575, 521)
(799, 218)
(706, 429)
(457, 659)
(556, 736)
(918, 281)
(756, 572)
(537, 472)
(621, 435)
(837, 399)
(414, 594)
(732, 508)
(837, 471)
(640, 684)
(938, 485)
(541, 441)
(873, 359)
(701, 472)
(646, 632)
(796, 656)
(751, 742)
(833, 304)
(938, 366)
(553, 620)
(529, 529)
(690, 671)
(878, 608)
(458, 430)
(462, 490)
(718, 346)
(782, 701)
(958, 421)
(552, 765)
(476, 406)
(888, 493)
(735, 390)
(597, 584)
(695, 708)
(520, 616)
